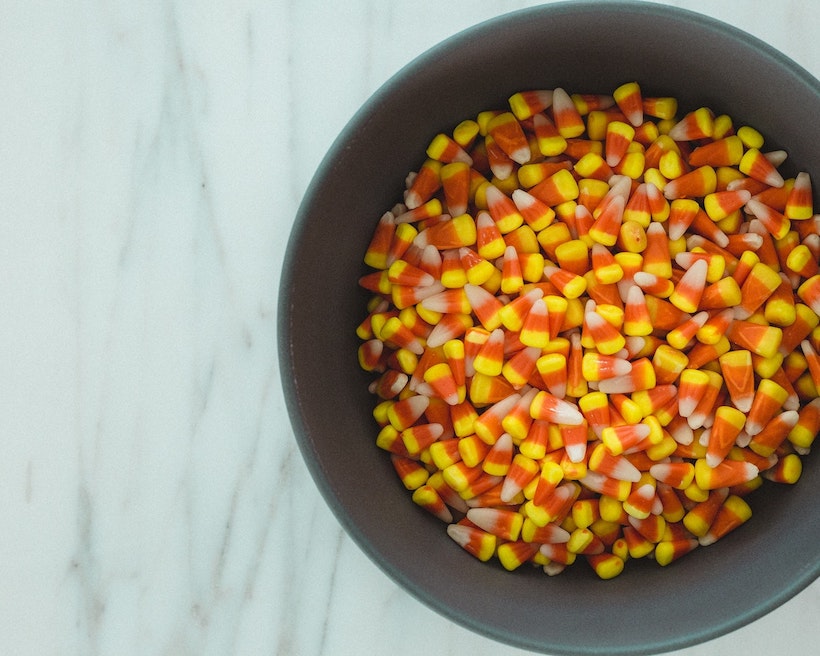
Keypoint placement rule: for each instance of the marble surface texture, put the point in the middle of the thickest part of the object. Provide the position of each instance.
(152, 158)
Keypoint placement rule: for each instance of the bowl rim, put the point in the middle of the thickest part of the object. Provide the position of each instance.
(296, 410)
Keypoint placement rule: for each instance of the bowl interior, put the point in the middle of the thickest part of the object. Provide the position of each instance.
(583, 47)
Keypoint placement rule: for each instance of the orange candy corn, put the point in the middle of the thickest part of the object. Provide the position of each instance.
(678, 475)
(725, 293)
(575, 442)
(775, 223)
(506, 131)
(656, 256)
(598, 366)
(761, 283)
(738, 374)
(504, 524)
(455, 182)
(593, 166)
(699, 518)
(603, 461)
(682, 212)
(512, 555)
(568, 284)
(668, 363)
(552, 368)
(809, 292)
(720, 204)
(489, 242)
(640, 501)
(535, 213)
(638, 207)
(786, 470)
(733, 513)
(802, 259)
(444, 149)
(500, 165)
(606, 485)
(680, 336)
(477, 269)
(403, 273)
(593, 326)
(756, 166)
(705, 406)
(727, 473)
(641, 377)
(518, 420)
(573, 256)
(502, 209)
(418, 437)
(654, 285)
(403, 239)
(651, 527)
(441, 380)
(530, 175)
(376, 253)
(629, 100)
(595, 408)
(519, 368)
(608, 340)
(548, 139)
(721, 152)
(565, 115)
(428, 498)
(474, 541)
(692, 387)
(663, 107)
(607, 225)
(715, 327)
(512, 279)
(767, 441)
(399, 335)
(805, 431)
(759, 339)
(515, 312)
(412, 474)
(525, 104)
(779, 309)
(604, 266)
(490, 357)
(622, 438)
(689, 289)
(800, 204)
(535, 330)
(695, 125)
(700, 182)
(812, 360)
(728, 423)
(450, 233)
(405, 412)
(425, 183)
(768, 399)
(668, 551)
(550, 408)
(619, 136)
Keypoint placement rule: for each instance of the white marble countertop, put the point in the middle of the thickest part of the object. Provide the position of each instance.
(152, 158)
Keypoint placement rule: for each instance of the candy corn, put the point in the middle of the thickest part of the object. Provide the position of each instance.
(592, 329)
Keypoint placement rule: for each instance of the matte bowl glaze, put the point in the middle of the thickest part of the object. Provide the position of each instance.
(585, 48)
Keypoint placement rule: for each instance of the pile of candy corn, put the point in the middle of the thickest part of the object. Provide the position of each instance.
(593, 328)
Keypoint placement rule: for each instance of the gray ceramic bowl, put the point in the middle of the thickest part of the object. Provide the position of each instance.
(584, 47)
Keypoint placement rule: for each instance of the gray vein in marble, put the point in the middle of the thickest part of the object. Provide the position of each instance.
(331, 592)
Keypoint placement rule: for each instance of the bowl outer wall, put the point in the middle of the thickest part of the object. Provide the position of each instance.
(583, 47)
